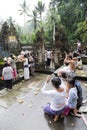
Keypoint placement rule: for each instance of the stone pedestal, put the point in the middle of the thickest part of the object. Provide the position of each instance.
(39, 56)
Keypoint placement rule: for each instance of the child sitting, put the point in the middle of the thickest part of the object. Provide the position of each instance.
(71, 103)
(78, 86)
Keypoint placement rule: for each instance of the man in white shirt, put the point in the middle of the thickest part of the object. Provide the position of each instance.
(79, 46)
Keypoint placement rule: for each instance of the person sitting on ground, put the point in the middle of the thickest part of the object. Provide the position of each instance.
(77, 60)
(78, 86)
(58, 95)
(67, 69)
(79, 64)
(71, 102)
(79, 92)
(68, 53)
(76, 53)
(68, 59)
(73, 58)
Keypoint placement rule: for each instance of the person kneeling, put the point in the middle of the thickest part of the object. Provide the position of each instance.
(58, 96)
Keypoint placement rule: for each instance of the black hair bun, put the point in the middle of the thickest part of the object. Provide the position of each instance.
(56, 81)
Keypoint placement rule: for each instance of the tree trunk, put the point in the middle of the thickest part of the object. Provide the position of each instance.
(43, 52)
(41, 19)
(24, 19)
(35, 24)
(53, 33)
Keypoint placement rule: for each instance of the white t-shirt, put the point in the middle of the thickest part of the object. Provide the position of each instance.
(49, 54)
(66, 69)
(63, 84)
(45, 56)
(58, 99)
(26, 62)
(22, 52)
(79, 44)
(7, 72)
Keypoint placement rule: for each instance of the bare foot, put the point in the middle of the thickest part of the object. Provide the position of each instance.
(56, 118)
(62, 116)
(76, 115)
(79, 112)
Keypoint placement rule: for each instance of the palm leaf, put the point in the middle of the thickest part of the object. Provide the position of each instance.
(36, 8)
(20, 10)
(29, 20)
(21, 13)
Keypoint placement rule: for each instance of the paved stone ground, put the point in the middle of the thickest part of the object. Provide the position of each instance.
(22, 108)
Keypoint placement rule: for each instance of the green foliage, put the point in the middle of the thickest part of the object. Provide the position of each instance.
(10, 21)
(39, 36)
(66, 15)
(1, 61)
(60, 39)
(82, 31)
(25, 33)
(33, 37)
(71, 13)
(24, 8)
(34, 19)
(8, 28)
(4, 32)
(52, 19)
(24, 38)
(40, 9)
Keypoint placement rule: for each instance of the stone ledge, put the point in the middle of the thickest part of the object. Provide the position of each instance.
(79, 74)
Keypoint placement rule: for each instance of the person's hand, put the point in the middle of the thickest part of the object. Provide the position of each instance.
(59, 74)
(48, 79)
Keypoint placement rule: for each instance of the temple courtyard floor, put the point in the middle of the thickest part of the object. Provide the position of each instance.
(22, 108)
